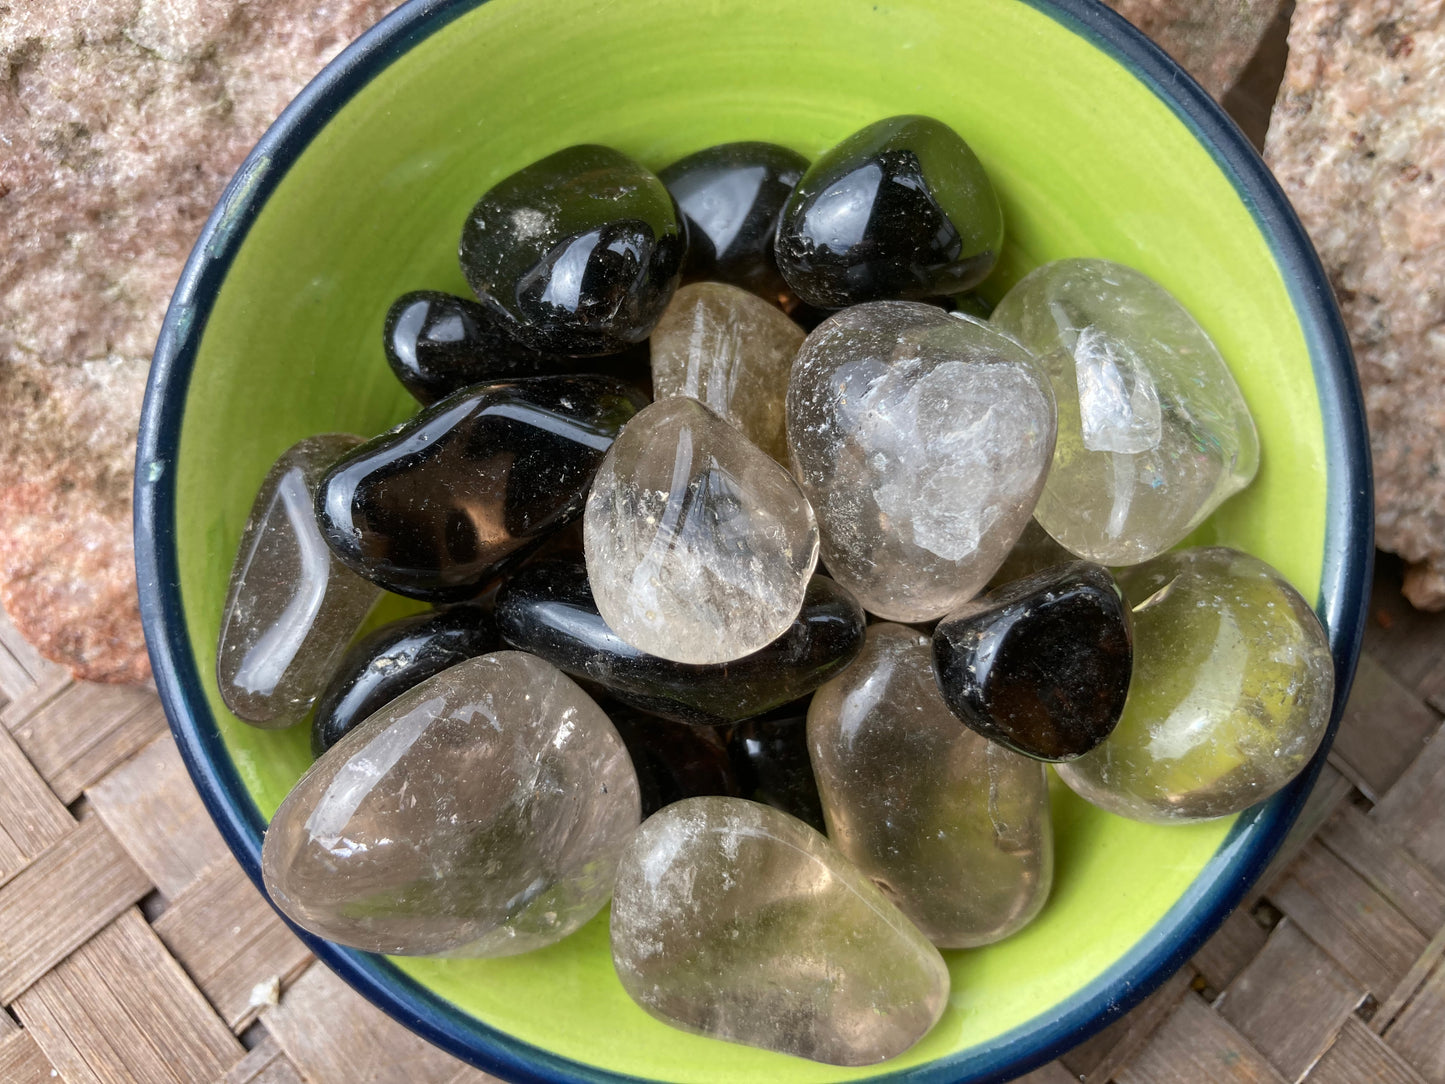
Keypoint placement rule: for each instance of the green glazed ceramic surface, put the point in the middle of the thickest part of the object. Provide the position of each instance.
(1088, 161)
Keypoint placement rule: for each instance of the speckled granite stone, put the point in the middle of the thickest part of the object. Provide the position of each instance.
(1358, 141)
(121, 121)
(1212, 40)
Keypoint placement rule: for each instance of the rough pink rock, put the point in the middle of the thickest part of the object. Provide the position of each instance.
(1358, 141)
(1213, 41)
(121, 121)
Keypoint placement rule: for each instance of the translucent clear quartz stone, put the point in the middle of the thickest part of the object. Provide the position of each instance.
(736, 921)
(921, 440)
(1232, 688)
(952, 827)
(481, 813)
(1153, 431)
(699, 547)
(292, 606)
(732, 351)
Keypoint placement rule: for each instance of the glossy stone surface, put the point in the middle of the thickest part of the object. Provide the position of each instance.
(921, 440)
(731, 196)
(481, 813)
(770, 759)
(901, 209)
(547, 608)
(1041, 665)
(1233, 683)
(392, 659)
(952, 827)
(673, 761)
(291, 607)
(579, 252)
(437, 343)
(699, 547)
(1153, 430)
(435, 507)
(731, 351)
(738, 922)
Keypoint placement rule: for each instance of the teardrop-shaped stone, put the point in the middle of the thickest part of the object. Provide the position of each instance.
(921, 440)
(736, 921)
(1041, 665)
(481, 813)
(731, 196)
(547, 608)
(732, 352)
(673, 760)
(770, 760)
(392, 659)
(1233, 685)
(952, 827)
(1153, 431)
(437, 506)
(901, 209)
(437, 344)
(291, 607)
(579, 252)
(699, 547)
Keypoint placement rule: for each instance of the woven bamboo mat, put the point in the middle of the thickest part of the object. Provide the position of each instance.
(132, 948)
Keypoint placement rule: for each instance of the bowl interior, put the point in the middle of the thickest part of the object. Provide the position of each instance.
(1089, 161)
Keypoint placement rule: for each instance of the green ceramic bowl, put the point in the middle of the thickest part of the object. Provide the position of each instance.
(1098, 145)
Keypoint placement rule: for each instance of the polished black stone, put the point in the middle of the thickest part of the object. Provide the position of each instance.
(731, 196)
(579, 252)
(770, 757)
(673, 760)
(394, 658)
(438, 343)
(1041, 665)
(439, 505)
(901, 209)
(547, 609)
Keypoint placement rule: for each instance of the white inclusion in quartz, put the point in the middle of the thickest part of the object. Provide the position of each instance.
(922, 442)
(272, 654)
(1153, 432)
(1118, 403)
(946, 487)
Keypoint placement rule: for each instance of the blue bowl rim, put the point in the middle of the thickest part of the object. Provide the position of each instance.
(1243, 856)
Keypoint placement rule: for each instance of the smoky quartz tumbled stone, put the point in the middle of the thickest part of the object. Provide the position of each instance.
(736, 921)
(901, 209)
(437, 506)
(291, 606)
(955, 829)
(699, 546)
(437, 343)
(481, 813)
(580, 251)
(733, 353)
(1153, 431)
(922, 441)
(732, 196)
(1233, 685)
(1041, 665)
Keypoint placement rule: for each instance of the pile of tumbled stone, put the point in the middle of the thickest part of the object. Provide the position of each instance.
(969, 472)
